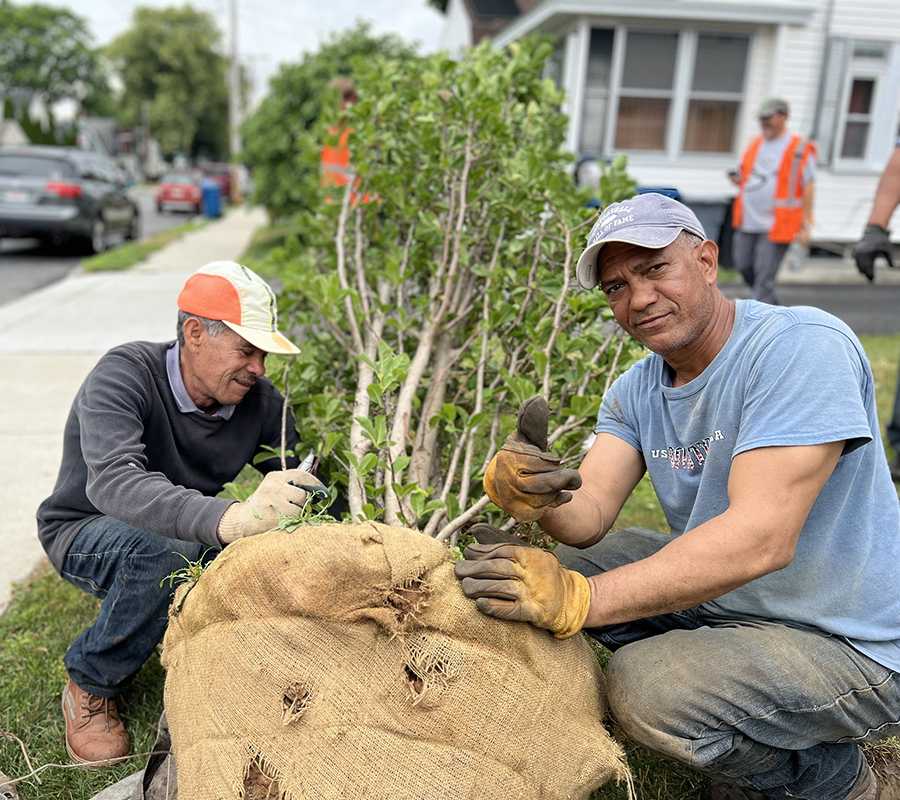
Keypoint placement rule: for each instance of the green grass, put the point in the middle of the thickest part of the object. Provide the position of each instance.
(130, 253)
(43, 618)
(267, 239)
(46, 614)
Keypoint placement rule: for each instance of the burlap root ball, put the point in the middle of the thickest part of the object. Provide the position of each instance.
(344, 661)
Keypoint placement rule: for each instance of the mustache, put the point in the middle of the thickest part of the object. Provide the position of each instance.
(644, 317)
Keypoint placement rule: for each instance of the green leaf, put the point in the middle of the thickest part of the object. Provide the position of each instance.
(367, 464)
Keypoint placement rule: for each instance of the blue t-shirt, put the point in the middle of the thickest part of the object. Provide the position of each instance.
(786, 376)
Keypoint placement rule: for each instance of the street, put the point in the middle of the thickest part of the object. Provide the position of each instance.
(867, 309)
(26, 266)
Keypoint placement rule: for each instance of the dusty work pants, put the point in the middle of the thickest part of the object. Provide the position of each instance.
(758, 260)
(758, 704)
(124, 567)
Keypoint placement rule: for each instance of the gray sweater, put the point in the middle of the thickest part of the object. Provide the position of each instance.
(131, 454)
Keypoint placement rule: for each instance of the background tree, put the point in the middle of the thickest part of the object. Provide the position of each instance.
(427, 314)
(278, 139)
(170, 60)
(47, 50)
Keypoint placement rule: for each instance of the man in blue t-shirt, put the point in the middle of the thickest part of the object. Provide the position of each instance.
(759, 641)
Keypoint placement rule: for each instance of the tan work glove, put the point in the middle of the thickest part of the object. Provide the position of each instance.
(523, 478)
(513, 580)
(280, 493)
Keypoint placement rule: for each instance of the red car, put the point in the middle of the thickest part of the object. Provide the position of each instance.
(221, 174)
(179, 189)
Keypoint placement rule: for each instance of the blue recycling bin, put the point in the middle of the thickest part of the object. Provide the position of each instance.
(668, 191)
(212, 198)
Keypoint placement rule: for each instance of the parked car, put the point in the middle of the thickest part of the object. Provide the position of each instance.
(64, 194)
(179, 189)
(220, 173)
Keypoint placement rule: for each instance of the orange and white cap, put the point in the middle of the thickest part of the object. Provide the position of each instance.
(237, 296)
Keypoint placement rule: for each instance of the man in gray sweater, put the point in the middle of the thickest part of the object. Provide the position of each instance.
(154, 433)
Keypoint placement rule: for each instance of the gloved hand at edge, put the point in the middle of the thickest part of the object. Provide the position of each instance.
(875, 242)
(280, 493)
(523, 478)
(516, 581)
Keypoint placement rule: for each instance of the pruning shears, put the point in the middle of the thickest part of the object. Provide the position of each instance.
(306, 465)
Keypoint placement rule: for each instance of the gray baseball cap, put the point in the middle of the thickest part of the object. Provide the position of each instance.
(649, 220)
(771, 106)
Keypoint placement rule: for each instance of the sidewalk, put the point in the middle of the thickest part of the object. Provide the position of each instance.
(836, 270)
(49, 340)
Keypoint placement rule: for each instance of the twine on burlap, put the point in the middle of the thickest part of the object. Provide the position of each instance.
(343, 661)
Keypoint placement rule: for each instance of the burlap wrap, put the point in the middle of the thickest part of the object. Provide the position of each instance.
(345, 662)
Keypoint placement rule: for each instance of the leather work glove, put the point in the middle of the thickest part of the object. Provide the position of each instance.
(515, 581)
(875, 242)
(523, 478)
(280, 493)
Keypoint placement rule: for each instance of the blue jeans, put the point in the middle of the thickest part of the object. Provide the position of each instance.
(759, 704)
(123, 566)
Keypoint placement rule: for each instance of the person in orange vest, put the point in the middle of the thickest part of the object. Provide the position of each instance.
(775, 201)
(334, 160)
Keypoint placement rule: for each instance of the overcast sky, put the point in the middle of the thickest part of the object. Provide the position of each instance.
(275, 31)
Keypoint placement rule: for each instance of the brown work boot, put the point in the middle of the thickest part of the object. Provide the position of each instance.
(94, 729)
(887, 774)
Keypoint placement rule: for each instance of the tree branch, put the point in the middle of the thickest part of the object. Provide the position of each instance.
(454, 525)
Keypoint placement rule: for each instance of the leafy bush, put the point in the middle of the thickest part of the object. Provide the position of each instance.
(427, 314)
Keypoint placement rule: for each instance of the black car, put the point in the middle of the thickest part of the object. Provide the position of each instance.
(64, 194)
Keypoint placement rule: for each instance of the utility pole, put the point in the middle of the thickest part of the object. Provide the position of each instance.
(145, 137)
(234, 101)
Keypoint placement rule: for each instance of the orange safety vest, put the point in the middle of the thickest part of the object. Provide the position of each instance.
(788, 190)
(334, 165)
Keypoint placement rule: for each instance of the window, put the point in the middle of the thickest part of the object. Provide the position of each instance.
(716, 91)
(596, 91)
(678, 91)
(859, 115)
(648, 76)
(553, 66)
(867, 68)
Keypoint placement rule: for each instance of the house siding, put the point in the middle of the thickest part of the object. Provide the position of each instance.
(867, 19)
(786, 59)
(456, 35)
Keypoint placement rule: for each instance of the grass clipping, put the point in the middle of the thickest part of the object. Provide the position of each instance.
(343, 661)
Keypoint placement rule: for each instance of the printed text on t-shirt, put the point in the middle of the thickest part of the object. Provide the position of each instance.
(690, 457)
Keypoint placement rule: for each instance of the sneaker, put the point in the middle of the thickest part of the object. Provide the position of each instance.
(95, 735)
(8, 789)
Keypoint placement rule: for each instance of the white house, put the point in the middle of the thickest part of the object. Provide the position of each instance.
(675, 85)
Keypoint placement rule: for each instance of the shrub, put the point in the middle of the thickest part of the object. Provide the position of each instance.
(426, 315)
